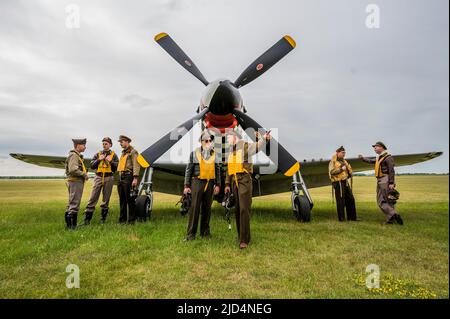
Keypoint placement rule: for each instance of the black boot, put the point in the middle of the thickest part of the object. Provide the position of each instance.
(104, 214)
(398, 219)
(67, 219)
(73, 221)
(87, 218)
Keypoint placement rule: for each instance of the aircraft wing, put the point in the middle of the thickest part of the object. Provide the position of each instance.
(315, 173)
(168, 177)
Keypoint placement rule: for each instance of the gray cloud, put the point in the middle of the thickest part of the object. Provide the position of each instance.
(136, 101)
(343, 84)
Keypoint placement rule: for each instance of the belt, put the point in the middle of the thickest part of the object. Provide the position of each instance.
(125, 173)
(106, 174)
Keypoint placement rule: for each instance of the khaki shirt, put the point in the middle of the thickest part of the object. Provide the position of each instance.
(249, 149)
(132, 164)
(73, 166)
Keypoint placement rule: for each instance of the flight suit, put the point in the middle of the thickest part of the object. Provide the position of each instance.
(76, 175)
(345, 201)
(128, 169)
(239, 178)
(103, 184)
(385, 174)
(202, 175)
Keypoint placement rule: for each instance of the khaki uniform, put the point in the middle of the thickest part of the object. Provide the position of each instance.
(385, 174)
(128, 169)
(345, 201)
(242, 185)
(103, 184)
(76, 173)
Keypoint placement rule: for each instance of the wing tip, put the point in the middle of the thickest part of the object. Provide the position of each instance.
(159, 36)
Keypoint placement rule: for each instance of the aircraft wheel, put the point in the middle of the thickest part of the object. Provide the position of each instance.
(143, 208)
(302, 209)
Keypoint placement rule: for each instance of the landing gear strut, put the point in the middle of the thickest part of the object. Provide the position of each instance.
(302, 203)
(144, 203)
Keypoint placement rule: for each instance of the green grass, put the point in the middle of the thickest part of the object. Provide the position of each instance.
(286, 259)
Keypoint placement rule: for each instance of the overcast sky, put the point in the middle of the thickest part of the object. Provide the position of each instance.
(343, 84)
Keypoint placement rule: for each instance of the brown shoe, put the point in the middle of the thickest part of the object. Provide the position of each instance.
(243, 245)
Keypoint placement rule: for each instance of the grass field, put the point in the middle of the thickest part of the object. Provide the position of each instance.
(286, 259)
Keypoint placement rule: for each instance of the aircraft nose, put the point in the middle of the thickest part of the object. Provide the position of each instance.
(225, 98)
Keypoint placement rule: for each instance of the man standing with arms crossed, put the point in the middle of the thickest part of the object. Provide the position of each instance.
(385, 174)
(76, 173)
(340, 172)
(105, 163)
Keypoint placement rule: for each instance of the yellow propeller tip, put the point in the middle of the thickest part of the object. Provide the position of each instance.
(294, 169)
(159, 36)
(290, 40)
(141, 160)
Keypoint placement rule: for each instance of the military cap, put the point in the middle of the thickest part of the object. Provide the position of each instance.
(107, 139)
(124, 138)
(79, 141)
(234, 133)
(340, 149)
(379, 143)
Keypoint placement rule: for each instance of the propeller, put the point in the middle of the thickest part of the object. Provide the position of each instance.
(287, 164)
(151, 154)
(167, 43)
(266, 61)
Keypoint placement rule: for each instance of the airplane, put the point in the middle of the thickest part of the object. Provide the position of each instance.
(221, 109)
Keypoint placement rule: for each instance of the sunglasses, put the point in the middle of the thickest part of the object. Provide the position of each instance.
(207, 141)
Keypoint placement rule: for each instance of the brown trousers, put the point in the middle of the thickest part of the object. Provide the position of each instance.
(75, 194)
(201, 205)
(382, 192)
(243, 197)
(99, 187)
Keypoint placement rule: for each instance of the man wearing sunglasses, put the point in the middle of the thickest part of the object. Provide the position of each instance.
(202, 180)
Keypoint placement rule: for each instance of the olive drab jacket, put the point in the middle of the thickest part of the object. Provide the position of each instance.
(335, 170)
(75, 168)
(128, 162)
(384, 165)
(247, 150)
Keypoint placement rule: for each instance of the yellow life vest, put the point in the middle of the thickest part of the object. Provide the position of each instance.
(342, 175)
(207, 167)
(378, 172)
(123, 162)
(104, 166)
(236, 164)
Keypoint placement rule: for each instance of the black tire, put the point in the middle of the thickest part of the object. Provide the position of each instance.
(302, 209)
(143, 211)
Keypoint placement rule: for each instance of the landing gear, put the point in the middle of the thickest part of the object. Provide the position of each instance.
(302, 203)
(144, 202)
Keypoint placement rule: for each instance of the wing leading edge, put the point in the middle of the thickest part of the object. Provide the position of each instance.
(168, 177)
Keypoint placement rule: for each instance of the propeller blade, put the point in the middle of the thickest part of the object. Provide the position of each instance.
(266, 61)
(151, 154)
(287, 164)
(166, 42)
